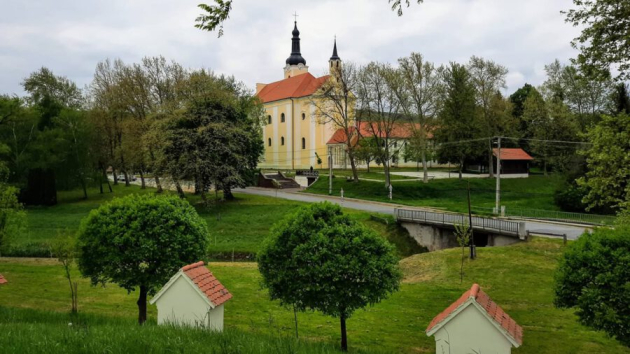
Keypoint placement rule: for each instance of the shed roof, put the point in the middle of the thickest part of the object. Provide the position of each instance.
(398, 131)
(294, 87)
(3, 280)
(493, 312)
(203, 280)
(512, 154)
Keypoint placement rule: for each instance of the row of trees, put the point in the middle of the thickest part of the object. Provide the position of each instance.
(154, 118)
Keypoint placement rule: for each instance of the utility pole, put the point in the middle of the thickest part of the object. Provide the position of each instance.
(472, 238)
(498, 172)
(330, 170)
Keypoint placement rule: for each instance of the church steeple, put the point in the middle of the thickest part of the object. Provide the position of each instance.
(335, 56)
(296, 64)
(334, 61)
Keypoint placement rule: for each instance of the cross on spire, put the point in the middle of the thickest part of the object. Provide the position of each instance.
(295, 15)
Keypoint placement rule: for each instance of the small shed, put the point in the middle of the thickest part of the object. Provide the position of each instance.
(193, 297)
(3, 280)
(475, 324)
(514, 162)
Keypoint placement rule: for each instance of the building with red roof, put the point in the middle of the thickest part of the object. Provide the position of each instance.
(192, 297)
(293, 135)
(475, 324)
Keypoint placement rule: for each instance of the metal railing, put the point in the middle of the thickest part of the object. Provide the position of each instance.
(488, 224)
(553, 215)
(307, 173)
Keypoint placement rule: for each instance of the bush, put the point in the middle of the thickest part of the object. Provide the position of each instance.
(594, 278)
(569, 198)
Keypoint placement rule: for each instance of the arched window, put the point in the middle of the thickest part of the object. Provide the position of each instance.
(282, 141)
(303, 116)
(303, 143)
(268, 119)
(269, 141)
(282, 118)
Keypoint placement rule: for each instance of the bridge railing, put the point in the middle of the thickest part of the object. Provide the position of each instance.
(501, 226)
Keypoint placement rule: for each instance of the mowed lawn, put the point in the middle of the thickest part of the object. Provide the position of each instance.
(237, 226)
(535, 192)
(519, 278)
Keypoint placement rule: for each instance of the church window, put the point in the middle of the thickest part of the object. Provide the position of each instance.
(268, 119)
(282, 118)
(303, 116)
(269, 141)
(303, 143)
(282, 141)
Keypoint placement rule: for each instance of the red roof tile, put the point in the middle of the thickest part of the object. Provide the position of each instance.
(399, 131)
(3, 280)
(294, 87)
(207, 283)
(493, 310)
(512, 154)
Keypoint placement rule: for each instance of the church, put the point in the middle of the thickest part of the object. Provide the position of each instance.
(293, 137)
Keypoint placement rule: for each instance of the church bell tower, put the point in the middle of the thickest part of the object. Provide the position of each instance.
(334, 63)
(296, 64)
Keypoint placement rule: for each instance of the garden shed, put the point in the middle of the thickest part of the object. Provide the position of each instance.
(475, 324)
(193, 297)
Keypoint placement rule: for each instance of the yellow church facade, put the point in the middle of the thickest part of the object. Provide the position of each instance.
(293, 135)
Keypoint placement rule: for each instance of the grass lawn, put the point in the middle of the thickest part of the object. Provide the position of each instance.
(519, 278)
(237, 226)
(535, 192)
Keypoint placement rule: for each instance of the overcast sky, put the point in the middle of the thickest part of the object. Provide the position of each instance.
(72, 36)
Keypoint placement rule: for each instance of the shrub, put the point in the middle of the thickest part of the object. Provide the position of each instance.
(594, 278)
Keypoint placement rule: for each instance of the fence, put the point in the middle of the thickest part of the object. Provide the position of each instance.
(553, 215)
(496, 225)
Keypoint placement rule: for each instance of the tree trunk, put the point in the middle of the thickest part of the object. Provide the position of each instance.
(142, 183)
(84, 187)
(227, 193)
(127, 184)
(115, 175)
(158, 184)
(368, 167)
(461, 167)
(353, 165)
(142, 305)
(344, 336)
(107, 180)
(180, 191)
(425, 170)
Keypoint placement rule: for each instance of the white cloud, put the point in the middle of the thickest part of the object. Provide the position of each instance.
(70, 37)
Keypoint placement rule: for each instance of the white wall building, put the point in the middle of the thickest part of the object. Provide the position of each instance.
(193, 297)
(475, 324)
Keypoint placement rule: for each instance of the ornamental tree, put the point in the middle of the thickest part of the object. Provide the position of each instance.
(140, 241)
(319, 259)
(594, 278)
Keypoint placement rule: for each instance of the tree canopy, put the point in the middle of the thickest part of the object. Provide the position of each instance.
(139, 242)
(320, 259)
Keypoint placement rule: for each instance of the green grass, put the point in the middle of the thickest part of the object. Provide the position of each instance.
(535, 192)
(519, 278)
(237, 226)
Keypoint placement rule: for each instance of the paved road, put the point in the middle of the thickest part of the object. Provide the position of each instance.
(573, 232)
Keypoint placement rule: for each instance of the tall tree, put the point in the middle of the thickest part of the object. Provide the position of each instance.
(488, 78)
(335, 102)
(379, 109)
(604, 42)
(420, 97)
(620, 99)
(458, 119)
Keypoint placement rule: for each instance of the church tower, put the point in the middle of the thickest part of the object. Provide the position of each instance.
(334, 63)
(296, 65)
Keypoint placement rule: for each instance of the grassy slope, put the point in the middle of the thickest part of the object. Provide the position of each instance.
(237, 226)
(535, 192)
(519, 278)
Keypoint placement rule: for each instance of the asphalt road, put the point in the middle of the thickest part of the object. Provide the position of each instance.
(572, 231)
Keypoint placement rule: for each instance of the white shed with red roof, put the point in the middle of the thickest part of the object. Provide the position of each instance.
(193, 297)
(475, 324)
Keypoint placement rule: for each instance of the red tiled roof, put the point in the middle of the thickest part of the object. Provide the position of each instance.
(3, 280)
(340, 136)
(399, 131)
(512, 154)
(207, 283)
(294, 87)
(492, 309)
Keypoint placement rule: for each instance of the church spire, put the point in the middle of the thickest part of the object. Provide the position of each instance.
(296, 55)
(334, 55)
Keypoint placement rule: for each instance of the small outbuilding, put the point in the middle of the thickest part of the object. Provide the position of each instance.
(475, 324)
(193, 297)
(3, 280)
(514, 162)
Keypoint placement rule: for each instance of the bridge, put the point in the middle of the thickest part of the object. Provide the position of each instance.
(435, 230)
